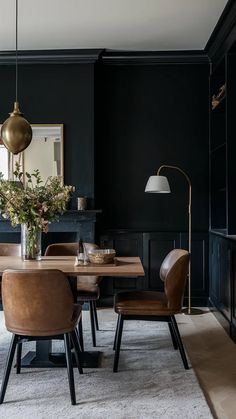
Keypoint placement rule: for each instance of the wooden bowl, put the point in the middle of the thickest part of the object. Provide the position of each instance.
(101, 256)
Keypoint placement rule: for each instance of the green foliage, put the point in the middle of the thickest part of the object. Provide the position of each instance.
(32, 202)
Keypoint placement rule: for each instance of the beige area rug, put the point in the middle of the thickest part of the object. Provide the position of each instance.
(152, 382)
(213, 357)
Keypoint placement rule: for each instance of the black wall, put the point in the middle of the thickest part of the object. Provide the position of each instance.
(58, 93)
(147, 116)
(121, 123)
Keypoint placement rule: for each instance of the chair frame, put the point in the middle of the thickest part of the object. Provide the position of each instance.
(16, 346)
(67, 331)
(174, 332)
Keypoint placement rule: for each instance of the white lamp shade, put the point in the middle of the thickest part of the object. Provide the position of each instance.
(157, 184)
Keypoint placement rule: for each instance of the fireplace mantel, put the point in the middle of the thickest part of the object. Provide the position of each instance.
(80, 222)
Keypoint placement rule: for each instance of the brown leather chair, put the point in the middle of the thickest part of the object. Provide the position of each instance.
(9, 249)
(156, 306)
(87, 286)
(39, 304)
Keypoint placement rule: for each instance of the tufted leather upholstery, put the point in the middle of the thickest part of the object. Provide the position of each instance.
(38, 303)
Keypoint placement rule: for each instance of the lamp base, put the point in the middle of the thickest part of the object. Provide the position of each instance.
(193, 311)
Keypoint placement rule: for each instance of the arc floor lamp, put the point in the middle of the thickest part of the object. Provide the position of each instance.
(160, 184)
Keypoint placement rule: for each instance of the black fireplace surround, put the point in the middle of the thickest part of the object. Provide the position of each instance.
(72, 226)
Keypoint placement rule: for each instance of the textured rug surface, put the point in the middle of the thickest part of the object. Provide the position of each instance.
(151, 382)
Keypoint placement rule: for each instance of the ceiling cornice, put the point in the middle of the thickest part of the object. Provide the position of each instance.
(107, 57)
(63, 56)
(152, 58)
(224, 34)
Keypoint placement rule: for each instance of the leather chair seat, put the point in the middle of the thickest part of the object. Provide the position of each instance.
(38, 303)
(140, 303)
(154, 305)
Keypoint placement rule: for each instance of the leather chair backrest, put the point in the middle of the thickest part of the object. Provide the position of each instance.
(71, 249)
(37, 302)
(173, 272)
(67, 249)
(10, 249)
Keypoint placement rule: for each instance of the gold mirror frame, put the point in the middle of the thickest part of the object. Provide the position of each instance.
(48, 131)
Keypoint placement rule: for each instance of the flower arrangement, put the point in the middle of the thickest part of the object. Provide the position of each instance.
(32, 203)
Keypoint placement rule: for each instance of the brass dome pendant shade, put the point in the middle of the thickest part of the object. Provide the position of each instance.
(16, 132)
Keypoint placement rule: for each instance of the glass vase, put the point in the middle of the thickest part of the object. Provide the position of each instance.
(30, 242)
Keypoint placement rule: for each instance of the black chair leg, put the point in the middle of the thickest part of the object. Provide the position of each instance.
(77, 349)
(18, 357)
(118, 342)
(95, 315)
(8, 366)
(179, 341)
(78, 340)
(70, 368)
(172, 333)
(92, 323)
(117, 327)
(80, 334)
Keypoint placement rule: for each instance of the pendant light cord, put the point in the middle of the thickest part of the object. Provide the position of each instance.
(16, 50)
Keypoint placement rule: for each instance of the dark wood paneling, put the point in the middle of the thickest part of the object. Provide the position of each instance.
(59, 94)
(151, 115)
(222, 262)
(199, 264)
(155, 247)
(152, 247)
(125, 244)
(214, 271)
(231, 143)
(233, 287)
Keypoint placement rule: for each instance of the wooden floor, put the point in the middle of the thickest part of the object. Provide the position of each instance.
(213, 356)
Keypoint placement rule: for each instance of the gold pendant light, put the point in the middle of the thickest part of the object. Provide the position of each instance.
(16, 132)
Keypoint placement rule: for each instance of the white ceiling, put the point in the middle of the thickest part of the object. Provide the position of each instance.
(113, 24)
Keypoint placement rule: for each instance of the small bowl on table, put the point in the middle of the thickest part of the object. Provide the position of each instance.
(101, 256)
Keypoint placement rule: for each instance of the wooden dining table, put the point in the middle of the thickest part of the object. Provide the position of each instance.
(43, 357)
(122, 266)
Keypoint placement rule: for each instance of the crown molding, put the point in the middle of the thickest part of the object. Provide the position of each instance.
(223, 35)
(107, 57)
(110, 57)
(60, 56)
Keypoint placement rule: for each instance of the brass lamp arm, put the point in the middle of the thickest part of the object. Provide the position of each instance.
(176, 168)
(189, 309)
(190, 188)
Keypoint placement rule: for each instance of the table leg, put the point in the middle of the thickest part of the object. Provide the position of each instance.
(43, 357)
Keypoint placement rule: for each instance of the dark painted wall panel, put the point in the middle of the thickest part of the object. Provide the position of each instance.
(147, 116)
(58, 94)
